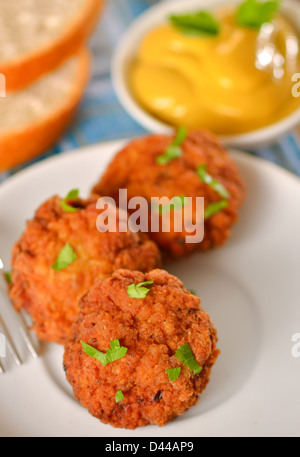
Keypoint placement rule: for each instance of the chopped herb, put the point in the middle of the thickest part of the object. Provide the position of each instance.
(119, 396)
(173, 373)
(92, 352)
(174, 150)
(176, 203)
(66, 256)
(201, 23)
(215, 208)
(254, 13)
(192, 292)
(185, 355)
(211, 182)
(180, 136)
(72, 196)
(115, 352)
(137, 290)
(8, 278)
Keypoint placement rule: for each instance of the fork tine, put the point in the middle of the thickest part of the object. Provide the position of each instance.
(21, 322)
(26, 336)
(10, 345)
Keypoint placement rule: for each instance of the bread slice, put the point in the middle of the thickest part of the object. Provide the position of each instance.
(36, 36)
(31, 120)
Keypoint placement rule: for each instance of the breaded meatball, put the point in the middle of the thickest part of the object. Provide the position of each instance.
(152, 329)
(135, 168)
(50, 293)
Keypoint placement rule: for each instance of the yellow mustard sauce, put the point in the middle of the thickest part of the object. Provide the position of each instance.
(232, 83)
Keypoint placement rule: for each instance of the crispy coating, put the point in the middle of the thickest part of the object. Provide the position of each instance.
(135, 169)
(152, 329)
(52, 297)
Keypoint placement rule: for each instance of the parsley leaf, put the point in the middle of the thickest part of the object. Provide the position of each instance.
(115, 352)
(196, 24)
(185, 355)
(66, 256)
(192, 292)
(173, 373)
(254, 13)
(176, 203)
(180, 136)
(72, 195)
(8, 278)
(119, 396)
(211, 182)
(137, 290)
(92, 352)
(215, 208)
(174, 150)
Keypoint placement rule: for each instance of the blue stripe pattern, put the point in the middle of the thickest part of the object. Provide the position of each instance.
(100, 116)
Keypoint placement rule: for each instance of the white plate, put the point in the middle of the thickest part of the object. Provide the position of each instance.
(250, 287)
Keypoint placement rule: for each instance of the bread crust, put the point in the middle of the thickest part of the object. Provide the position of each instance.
(21, 144)
(22, 71)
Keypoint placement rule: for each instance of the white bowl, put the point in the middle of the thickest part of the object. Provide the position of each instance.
(127, 49)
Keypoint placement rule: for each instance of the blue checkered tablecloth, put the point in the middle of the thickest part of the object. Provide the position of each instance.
(100, 116)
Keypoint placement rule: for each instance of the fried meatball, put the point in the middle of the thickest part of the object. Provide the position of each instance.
(152, 329)
(135, 168)
(52, 297)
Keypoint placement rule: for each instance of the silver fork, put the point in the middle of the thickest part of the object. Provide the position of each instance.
(20, 322)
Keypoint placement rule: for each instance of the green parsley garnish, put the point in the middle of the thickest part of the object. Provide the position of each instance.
(192, 292)
(215, 208)
(66, 256)
(8, 278)
(72, 196)
(115, 352)
(176, 203)
(173, 373)
(211, 182)
(137, 290)
(119, 396)
(201, 23)
(185, 355)
(254, 13)
(174, 150)
(92, 352)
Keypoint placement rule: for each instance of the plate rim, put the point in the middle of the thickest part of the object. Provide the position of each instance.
(237, 155)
